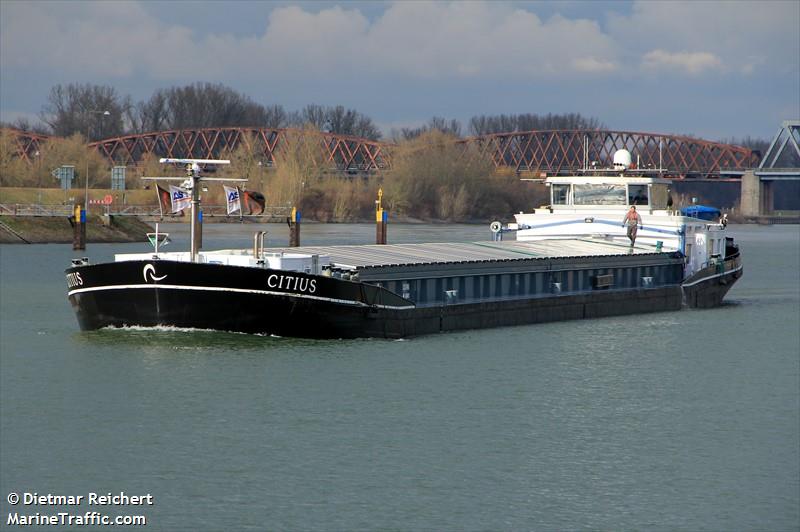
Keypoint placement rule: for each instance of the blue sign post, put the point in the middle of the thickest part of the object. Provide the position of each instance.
(118, 178)
(65, 174)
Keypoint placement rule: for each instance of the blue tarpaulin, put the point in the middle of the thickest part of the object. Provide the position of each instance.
(702, 212)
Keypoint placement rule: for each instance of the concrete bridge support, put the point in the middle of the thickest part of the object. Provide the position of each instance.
(757, 196)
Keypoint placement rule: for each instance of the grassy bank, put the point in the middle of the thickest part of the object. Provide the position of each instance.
(57, 196)
(57, 229)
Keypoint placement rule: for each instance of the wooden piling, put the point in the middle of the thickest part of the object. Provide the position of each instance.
(78, 228)
(198, 234)
(381, 219)
(294, 228)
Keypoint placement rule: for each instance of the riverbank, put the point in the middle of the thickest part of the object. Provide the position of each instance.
(58, 229)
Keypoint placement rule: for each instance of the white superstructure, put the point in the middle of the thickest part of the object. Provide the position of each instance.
(594, 205)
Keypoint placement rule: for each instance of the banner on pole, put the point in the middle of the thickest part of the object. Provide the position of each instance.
(233, 199)
(180, 198)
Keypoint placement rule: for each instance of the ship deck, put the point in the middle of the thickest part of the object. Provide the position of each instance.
(362, 257)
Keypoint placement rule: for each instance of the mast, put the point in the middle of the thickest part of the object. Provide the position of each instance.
(193, 171)
(195, 212)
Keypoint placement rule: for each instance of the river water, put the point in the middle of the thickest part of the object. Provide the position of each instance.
(671, 421)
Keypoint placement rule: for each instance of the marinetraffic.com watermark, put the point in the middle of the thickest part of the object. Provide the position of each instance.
(76, 510)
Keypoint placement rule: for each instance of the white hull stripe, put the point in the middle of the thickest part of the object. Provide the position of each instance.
(237, 290)
(712, 277)
(596, 221)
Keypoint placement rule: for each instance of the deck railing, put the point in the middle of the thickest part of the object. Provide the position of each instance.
(34, 209)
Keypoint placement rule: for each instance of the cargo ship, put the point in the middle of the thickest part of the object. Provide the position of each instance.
(406, 290)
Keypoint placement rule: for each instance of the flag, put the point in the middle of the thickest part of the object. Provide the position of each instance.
(164, 202)
(232, 198)
(180, 198)
(254, 201)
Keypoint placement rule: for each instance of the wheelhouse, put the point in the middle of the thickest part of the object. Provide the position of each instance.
(598, 191)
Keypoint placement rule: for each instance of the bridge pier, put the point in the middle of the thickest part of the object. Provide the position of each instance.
(757, 196)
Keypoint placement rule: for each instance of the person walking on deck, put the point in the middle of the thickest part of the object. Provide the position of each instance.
(633, 221)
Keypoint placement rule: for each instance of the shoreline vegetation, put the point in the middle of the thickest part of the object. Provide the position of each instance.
(432, 177)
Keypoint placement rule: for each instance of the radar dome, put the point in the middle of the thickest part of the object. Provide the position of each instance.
(622, 159)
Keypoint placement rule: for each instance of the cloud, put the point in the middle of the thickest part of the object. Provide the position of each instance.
(413, 59)
(419, 40)
(408, 40)
(431, 41)
(592, 64)
(745, 37)
(691, 62)
(113, 39)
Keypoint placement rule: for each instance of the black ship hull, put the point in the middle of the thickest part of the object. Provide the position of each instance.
(274, 302)
(708, 287)
(227, 298)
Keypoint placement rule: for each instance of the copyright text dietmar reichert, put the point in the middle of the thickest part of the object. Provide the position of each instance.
(90, 509)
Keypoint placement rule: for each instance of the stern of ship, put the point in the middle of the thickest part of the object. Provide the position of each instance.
(707, 287)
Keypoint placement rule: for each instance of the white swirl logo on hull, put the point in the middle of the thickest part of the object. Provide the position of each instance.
(149, 268)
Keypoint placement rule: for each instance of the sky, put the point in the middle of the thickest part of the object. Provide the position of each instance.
(716, 70)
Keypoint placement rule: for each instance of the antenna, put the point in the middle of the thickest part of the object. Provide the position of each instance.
(585, 153)
(193, 170)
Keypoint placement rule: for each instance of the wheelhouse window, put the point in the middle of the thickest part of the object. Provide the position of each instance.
(560, 194)
(637, 195)
(599, 195)
(659, 196)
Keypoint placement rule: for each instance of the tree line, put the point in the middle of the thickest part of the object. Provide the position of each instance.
(80, 108)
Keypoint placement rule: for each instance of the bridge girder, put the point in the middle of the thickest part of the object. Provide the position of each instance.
(565, 151)
(548, 151)
(26, 144)
(344, 152)
(784, 150)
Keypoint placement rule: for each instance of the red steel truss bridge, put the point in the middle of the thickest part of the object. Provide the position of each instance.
(567, 151)
(343, 152)
(550, 152)
(26, 145)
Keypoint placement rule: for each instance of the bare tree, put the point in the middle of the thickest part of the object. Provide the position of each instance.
(336, 119)
(340, 120)
(314, 115)
(484, 125)
(79, 108)
(451, 127)
(199, 105)
(366, 128)
(351, 122)
(275, 116)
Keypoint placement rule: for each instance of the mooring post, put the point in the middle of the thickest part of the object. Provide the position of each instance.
(79, 228)
(381, 219)
(294, 228)
(198, 234)
(75, 220)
